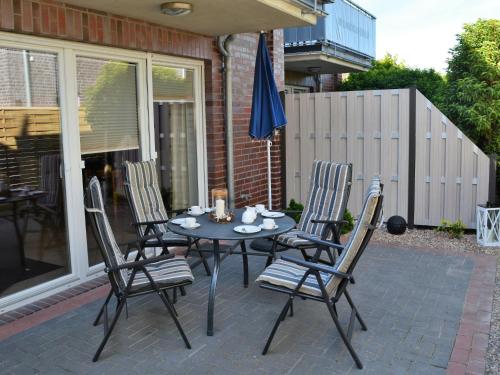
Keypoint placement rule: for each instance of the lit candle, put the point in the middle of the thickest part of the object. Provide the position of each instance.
(219, 208)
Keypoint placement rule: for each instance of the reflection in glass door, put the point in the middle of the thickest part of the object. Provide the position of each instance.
(109, 135)
(175, 135)
(32, 203)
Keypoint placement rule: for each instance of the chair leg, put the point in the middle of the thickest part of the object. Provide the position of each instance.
(174, 317)
(354, 308)
(278, 321)
(203, 259)
(108, 333)
(269, 261)
(244, 255)
(104, 305)
(168, 299)
(183, 291)
(304, 254)
(175, 295)
(343, 335)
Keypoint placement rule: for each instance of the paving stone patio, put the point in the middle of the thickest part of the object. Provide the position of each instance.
(411, 300)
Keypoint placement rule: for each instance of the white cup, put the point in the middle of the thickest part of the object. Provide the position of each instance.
(260, 208)
(268, 223)
(195, 210)
(190, 222)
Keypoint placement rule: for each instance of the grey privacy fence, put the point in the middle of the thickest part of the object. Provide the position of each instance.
(430, 169)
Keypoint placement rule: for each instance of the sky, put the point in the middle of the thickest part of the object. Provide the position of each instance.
(421, 32)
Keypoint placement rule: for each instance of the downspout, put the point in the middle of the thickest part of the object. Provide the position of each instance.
(223, 44)
(27, 80)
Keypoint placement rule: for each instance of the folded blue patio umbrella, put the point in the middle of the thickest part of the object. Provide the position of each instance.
(267, 111)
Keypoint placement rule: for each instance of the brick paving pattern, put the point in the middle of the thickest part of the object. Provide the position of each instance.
(411, 300)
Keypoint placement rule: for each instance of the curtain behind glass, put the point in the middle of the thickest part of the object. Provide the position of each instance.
(175, 135)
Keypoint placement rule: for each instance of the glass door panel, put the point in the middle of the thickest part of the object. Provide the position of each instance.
(32, 204)
(109, 135)
(175, 135)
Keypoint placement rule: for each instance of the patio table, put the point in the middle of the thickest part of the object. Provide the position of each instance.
(16, 198)
(224, 232)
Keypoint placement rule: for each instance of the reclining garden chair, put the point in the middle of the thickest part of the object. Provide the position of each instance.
(148, 210)
(130, 279)
(324, 283)
(323, 213)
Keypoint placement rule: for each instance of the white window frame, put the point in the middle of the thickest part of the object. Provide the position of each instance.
(66, 52)
(199, 97)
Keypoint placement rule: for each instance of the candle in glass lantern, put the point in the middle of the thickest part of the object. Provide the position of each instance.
(219, 208)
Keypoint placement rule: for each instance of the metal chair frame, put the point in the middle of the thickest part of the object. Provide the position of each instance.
(122, 294)
(314, 268)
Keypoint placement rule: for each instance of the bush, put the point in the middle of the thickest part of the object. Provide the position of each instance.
(295, 206)
(453, 229)
(346, 228)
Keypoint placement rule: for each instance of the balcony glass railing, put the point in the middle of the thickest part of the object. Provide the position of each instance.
(347, 25)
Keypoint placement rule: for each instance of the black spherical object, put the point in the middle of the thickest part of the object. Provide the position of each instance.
(396, 225)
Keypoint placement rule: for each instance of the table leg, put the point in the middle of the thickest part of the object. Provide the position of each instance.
(245, 263)
(19, 235)
(213, 286)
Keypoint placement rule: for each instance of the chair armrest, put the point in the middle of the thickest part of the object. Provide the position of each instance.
(321, 242)
(140, 263)
(137, 223)
(316, 267)
(333, 222)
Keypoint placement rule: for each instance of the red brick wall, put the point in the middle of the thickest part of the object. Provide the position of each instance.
(250, 165)
(57, 20)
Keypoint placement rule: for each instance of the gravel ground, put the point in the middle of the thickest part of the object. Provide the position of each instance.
(431, 239)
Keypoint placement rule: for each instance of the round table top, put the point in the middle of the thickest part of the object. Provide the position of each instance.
(214, 231)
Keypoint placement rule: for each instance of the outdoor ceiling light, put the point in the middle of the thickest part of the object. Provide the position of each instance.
(175, 8)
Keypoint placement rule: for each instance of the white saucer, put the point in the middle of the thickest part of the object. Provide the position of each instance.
(273, 228)
(178, 221)
(197, 225)
(247, 229)
(192, 214)
(273, 214)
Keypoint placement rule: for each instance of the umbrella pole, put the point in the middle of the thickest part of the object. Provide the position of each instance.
(270, 199)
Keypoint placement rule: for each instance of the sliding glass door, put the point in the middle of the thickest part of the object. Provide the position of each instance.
(109, 135)
(178, 136)
(32, 200)
(69, 112)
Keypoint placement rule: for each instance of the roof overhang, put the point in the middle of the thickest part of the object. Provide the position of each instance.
(213, 17)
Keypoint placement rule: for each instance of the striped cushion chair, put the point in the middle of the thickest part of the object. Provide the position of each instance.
(129, 279)
(323, 213)
(148, 210)
(324, 283)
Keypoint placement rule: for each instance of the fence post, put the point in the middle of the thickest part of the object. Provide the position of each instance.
(411, 156)
(492, 197)
(283, 155)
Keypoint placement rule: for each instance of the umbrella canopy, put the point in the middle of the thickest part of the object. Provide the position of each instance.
(267, 110)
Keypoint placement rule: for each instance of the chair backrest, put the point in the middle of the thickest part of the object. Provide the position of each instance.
(49, 180)
(361, 234)
(143, 194)
(104, 236)
(329, 190)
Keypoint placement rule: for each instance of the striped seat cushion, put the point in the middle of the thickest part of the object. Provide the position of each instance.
(288, 275)
(327, 198)
(170, 271)
(355, 243)
(291, 239)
